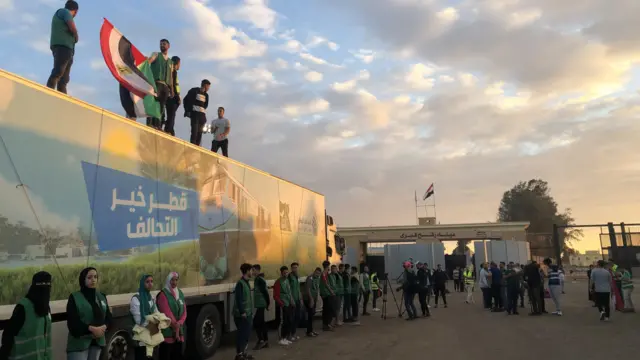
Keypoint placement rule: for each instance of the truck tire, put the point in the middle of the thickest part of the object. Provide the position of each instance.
(205, 333)
(118, 346)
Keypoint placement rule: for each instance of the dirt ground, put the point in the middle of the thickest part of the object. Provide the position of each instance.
(467, 332)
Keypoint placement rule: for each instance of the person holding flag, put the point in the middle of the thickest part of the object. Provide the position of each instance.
(162, 70)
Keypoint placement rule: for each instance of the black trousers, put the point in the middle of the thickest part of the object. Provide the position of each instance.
(327, 310)
(243, 324)
(456, 285)
(311, 312)
(198, 120)
(172, 107)
(295, 317)
(285, 324)
(222, 144)
(61, 72)
(260, 325)
(354, 306)
(170, 351)
(486, 297)
(162, 95)
(442, 291)
(603, 301)
(140, 353)
(365, 302)
(542, 304)
(422, 298)
(512, 299)
(375, 298)
(496, 293)
(535, 299)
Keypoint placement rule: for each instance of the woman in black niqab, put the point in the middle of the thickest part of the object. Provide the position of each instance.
(40, 292)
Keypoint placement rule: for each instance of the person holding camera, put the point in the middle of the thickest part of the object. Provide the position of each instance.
(409, 284)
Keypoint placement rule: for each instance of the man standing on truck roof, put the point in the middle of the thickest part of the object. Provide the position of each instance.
(284, 299)
(173, 102)
(294, 281)
(326, 293)
(162, 69)
(220, 128)
(312, 285)
(64, 36)
(195, 107)
(242, 312)
(261, 302)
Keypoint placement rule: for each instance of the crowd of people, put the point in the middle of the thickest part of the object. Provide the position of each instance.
(64, 37)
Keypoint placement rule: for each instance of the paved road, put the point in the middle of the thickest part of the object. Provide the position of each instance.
(466, 332)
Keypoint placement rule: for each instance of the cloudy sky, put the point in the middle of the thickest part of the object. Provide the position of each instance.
(368, 101)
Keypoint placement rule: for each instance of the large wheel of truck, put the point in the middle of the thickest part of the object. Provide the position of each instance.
(118, 346)
(204, 333)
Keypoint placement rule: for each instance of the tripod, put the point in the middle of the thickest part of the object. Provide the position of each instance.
(386, 288)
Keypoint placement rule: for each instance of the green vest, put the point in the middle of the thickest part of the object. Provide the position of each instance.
(33, 341)
(355, 285)
(626, 280)
(161, 68)
(85, 311)
(325, 288)
(468, 277)
(60, 33)
(177, 309)
(315, 285)
(295, 287)
(258, 298)
(347, 284)
(151, 310)
(285, 291)
(176, 81)
(374, 282)
(366, 283)
(247, 304)
(339, 288)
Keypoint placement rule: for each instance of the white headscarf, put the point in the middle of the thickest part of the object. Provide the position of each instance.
(167, 284)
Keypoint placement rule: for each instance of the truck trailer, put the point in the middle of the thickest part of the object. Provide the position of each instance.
(82, 186)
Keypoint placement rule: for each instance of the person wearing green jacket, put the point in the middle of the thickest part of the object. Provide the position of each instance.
(310, 295)
(327, 294)
(339, 294)
(284, 299)
(294, 281)
(345, 272)
(354, 280)
(170, 301)
(243, 311)
(27, 335)
(261, 302)
(88, 318)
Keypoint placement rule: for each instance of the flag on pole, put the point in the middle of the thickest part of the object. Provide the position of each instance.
(133, 72)
(429, 192)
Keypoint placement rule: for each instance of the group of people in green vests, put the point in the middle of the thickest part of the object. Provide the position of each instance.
(28, 334)
(339, 287)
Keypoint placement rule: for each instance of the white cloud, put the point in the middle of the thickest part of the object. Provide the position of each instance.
(364, 55)
(41, 46)
(419, 76)
(6, 5)
(317, 60)
(97, 64)
(293, 46)
(313, 76)
(281, 64)
(319, 40)
(255, 12)
(344, 86)
(260, 78)
(311, 107)
(215, 41)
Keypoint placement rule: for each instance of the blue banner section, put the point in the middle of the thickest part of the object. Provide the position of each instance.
(131, 211)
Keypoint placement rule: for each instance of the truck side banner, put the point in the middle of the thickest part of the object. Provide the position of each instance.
(84, 187)
(132, 211)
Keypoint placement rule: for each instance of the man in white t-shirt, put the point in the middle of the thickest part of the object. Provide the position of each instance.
(220, 128)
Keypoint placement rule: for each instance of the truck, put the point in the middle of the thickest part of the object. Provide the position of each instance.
(86, 187)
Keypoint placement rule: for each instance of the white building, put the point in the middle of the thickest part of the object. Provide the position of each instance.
(590, 257)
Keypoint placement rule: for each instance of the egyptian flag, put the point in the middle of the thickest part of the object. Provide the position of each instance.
(133, 72)
(428, 193)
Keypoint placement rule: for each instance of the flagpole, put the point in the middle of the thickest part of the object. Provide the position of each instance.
(415, 193)
(434, 203)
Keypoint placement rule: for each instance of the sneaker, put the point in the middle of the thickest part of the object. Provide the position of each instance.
(339, 323)
(315, 333)
(559, 313)
(248, 356)
(445, 306)
(311, 334)
(284, 342)
(356, 322)
(265, 345)
(296, 337)
(240, 357)
(291, 339)
(376, 309)
(606, 319)
(259, 345)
